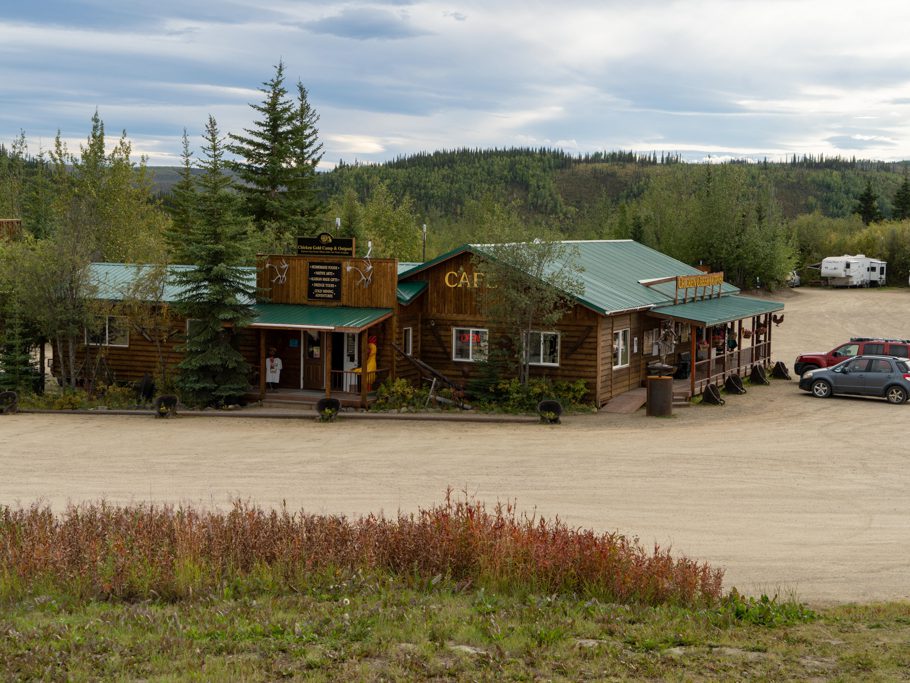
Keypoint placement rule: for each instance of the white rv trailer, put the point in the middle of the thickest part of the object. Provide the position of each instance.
(853, 271)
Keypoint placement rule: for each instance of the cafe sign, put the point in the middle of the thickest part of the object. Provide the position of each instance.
(325, 245)
(706, 280)
(703, 281)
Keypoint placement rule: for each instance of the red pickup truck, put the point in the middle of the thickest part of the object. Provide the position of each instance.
(857, 346)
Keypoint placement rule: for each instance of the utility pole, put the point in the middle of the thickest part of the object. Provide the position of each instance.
(424, 242)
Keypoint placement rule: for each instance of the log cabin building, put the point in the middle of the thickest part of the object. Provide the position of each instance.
(342, 324)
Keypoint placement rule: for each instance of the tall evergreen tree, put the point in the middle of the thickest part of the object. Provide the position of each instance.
(277, 160)
(902, 200)
(306, 153)
(867, 205)
(183, 205)
(18, 369)
(217, 293)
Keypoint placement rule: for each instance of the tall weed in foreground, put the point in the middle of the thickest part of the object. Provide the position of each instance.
(148, 551)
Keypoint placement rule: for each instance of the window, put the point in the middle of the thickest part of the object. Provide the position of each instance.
(874, 349)
(846, 351)
(469, 344)
(407, 340)
(110, 330)
(880, 365)
(543, 348)
(899, 350)
(858, 365)
(620, 349)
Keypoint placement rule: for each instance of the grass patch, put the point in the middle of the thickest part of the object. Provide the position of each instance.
(363, 628)
(455, 592)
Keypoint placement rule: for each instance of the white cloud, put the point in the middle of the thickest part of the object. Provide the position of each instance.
(748, 78)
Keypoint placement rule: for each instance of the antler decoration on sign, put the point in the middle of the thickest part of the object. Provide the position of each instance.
(281, 271)
(366, 273)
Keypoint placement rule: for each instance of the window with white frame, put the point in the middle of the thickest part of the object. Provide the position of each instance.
(620, 349)
(543, 348)
(109, 330)
(469, 344)
(407, 340)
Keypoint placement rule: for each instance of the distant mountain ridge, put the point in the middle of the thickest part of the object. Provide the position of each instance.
(553, 183)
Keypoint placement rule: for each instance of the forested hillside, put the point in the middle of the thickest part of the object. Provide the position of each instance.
(755, 221)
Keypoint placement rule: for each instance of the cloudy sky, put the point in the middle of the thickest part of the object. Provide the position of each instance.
(718, 78)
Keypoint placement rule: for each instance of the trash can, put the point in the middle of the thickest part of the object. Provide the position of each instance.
(659, 396)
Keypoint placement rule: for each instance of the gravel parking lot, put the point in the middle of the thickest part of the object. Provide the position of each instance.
(787, 492)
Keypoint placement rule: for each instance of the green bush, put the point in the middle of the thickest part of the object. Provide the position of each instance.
(765, 611)
(396, 394)
(510, 395)
(113, 397)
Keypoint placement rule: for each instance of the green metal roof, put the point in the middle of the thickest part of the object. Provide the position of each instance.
(335, 318)
(408, 291)
(404, 266)
(118, 281)
(718, 311)
(612, 275)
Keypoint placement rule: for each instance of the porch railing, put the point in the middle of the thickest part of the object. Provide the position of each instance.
(349, 381)
(718, 366)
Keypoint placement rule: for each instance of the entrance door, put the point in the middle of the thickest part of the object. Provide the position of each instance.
(351, 361)
(287, 347)
(313, 361)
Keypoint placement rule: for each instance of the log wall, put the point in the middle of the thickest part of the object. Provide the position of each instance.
(293, 287)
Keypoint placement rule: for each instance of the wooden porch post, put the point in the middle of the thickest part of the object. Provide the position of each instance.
(327, 368)
(261, 364)
(364, 337)
(768, 327)
(739, 345)
(693, 359)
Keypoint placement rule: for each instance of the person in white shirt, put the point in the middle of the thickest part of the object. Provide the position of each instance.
(272, 370)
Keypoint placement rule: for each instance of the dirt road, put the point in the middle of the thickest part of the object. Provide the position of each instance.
(787, 492)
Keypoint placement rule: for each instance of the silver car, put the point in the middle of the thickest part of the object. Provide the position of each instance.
(882, 376)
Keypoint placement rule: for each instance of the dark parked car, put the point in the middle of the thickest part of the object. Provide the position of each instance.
(881, 376)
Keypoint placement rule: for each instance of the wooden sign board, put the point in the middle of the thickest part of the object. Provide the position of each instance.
(706, 280)
(686, 282)
(323, 282)
(325, 245)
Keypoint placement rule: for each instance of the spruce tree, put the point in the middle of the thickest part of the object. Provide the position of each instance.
(276, 160)
(867, 205)
(17, 369)
(902, 200)
(217, 292)
(184, 205)
(264, 154)
(306, 153)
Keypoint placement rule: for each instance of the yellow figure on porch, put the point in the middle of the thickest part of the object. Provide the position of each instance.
(370, 364)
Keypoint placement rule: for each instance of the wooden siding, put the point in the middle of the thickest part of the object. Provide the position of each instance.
(614, 382)
(446, 301)
(293, 290)
(578, 347)
(129, 363)
(451, 301)
(408, 316)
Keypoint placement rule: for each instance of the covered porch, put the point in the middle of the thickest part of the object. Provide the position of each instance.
(338, 351)
(726, 335)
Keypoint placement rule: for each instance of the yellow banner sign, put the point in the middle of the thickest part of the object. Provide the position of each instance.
(706, 280)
